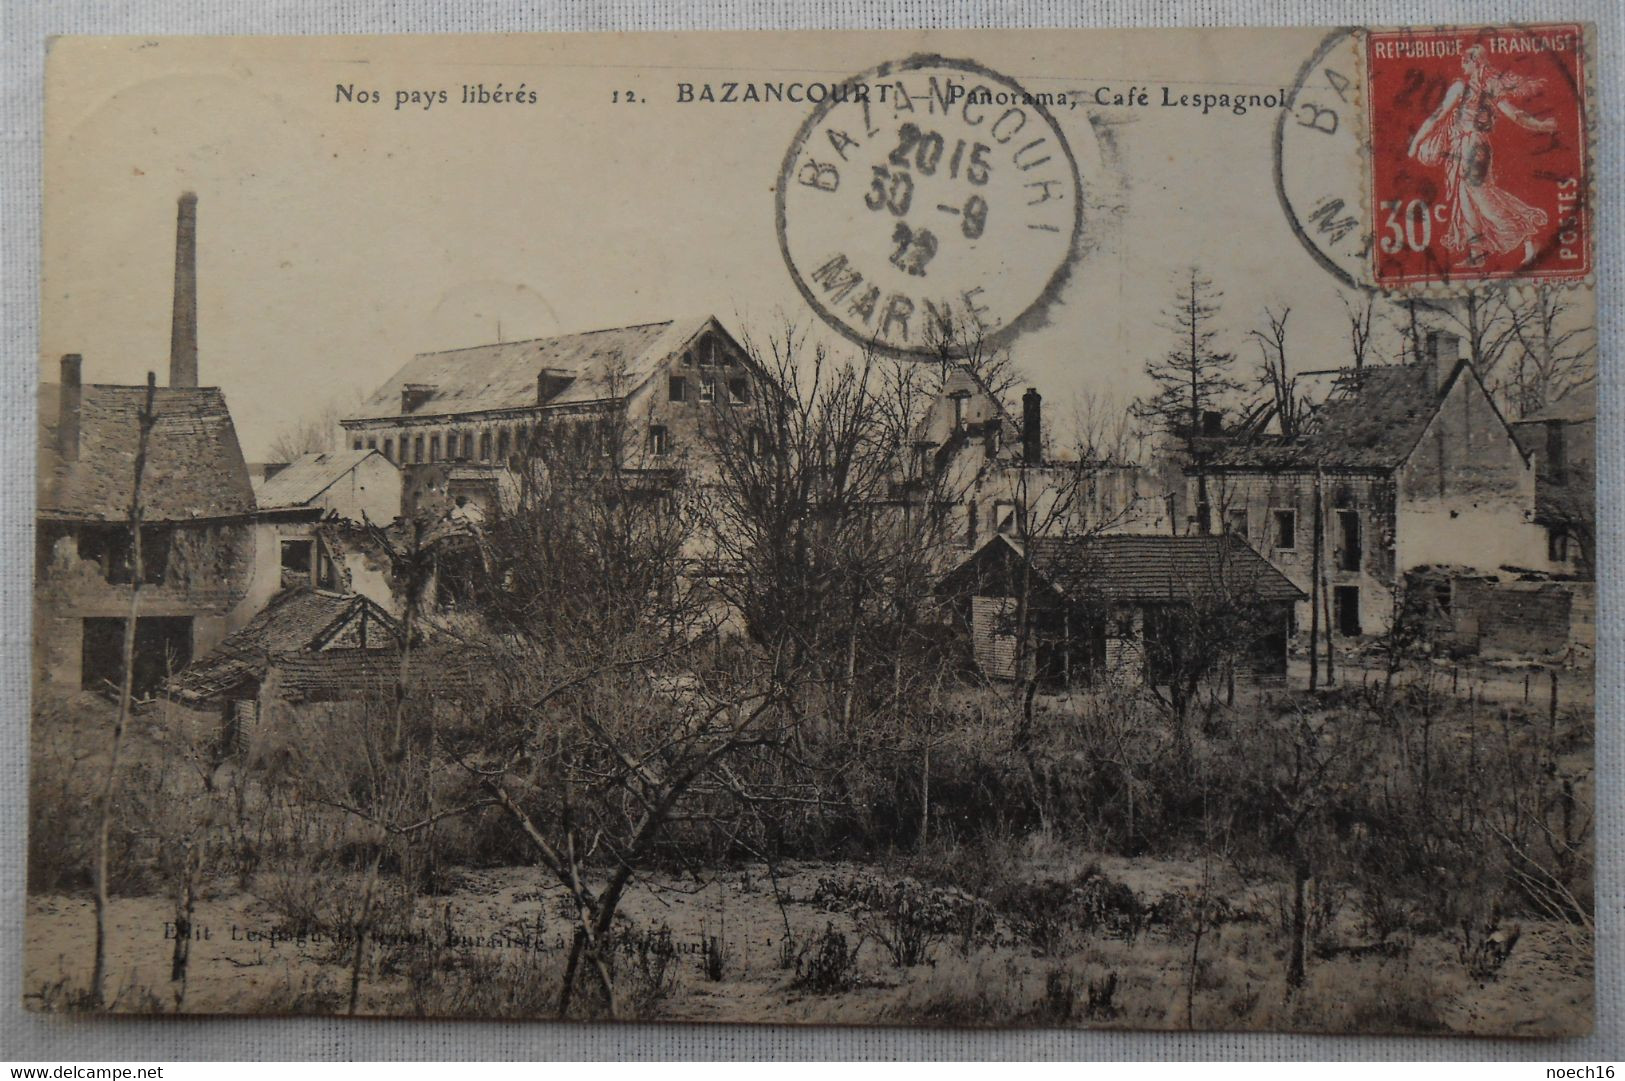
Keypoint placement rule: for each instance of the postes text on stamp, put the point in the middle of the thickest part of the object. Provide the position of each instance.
(1478, 155)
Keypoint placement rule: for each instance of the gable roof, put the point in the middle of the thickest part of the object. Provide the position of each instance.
(1373, 420)
(307, 477)
(1147, 568)
(194, 467)
(296, 621)
(601, 365)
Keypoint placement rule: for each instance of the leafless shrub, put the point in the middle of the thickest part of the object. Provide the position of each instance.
(826, 965)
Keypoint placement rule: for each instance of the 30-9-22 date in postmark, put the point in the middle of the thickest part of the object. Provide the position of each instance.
(1472, 152)
(930, 193)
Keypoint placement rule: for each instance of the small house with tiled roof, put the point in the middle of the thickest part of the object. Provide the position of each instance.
(472, 413)
(1402, 466)
(307, 645)
(1075, 609)
(297, 621)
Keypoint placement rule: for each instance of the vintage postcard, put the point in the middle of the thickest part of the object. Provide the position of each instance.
(1007, 528)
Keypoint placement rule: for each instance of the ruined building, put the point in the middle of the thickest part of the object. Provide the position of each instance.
(456, 421)
(1403, 466)
(986, 473)
(197, 507)
(1562, 437)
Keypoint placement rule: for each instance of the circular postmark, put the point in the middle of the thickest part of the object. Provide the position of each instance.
(927, 195)
(1320, 159)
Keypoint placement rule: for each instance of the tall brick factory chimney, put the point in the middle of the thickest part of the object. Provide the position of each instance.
(183, 327)
(67, 422)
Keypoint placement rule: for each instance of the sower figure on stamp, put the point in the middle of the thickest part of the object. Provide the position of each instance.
(1485, 219)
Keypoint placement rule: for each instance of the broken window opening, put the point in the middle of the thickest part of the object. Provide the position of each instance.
(109, 548)
(1556, 451)
(298, 556)
(1286, 530)
(163, 646)
(1557, 545)
(1348, 532)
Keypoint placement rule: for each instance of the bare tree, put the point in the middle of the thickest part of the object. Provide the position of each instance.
(1204, 627)
(1487, 322)
(833, 530)
(1274, 373)
(1555, 353)
(600, 729)
(1360, 329)
(1104, 428)
(145, 420)
(964, 340)
(314, 434)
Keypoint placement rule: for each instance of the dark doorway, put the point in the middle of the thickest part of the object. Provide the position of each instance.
(163, 646)
(1346, 609)
(1069, 652)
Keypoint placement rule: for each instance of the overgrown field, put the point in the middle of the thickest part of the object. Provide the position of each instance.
(1410, 858)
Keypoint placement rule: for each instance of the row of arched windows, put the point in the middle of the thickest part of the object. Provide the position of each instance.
(487, 445)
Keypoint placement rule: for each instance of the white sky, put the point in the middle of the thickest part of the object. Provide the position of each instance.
(335, 239)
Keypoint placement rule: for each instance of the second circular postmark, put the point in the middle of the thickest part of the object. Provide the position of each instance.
(930, 205)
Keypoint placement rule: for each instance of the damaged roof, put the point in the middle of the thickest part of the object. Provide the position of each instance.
(304, 479)
(337, 675)
(1147, 568)
(595, 366)
(194, 468)
(1373, 419)
(301, 620)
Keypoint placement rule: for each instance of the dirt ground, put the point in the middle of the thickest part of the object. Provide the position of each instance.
(240, 964)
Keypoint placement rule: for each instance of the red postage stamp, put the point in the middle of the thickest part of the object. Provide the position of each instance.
(1478, 154)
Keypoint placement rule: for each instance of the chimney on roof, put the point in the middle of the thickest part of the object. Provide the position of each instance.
(1032, 428)
(67, 425)
(183, 325)
(1443, 354)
